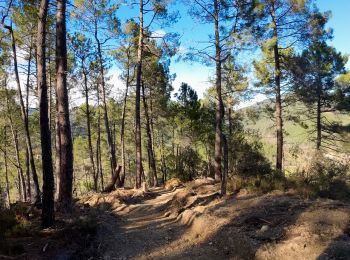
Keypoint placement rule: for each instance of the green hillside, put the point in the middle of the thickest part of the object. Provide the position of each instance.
(298, 134)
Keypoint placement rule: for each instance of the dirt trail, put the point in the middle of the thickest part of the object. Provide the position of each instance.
(134, 231)
(194, 223)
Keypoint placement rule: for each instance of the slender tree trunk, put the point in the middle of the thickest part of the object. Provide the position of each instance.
(47, 216)
(162, 158)
(98, 142)
(152, 139)
(105, 111)
(151, 159)
(6, 167)
(65, 148)
(24, 118)
(138, 101)
(21, 185)
(225, 174)
(50, 84)
(29, 190)
(219, 103)
(88, 125)
(207, 151)
(278, 113)
(20, 194)
(318, 119)
(173, 141)
(228, 140)
(122, 129)
(129, 162)
(21, 182)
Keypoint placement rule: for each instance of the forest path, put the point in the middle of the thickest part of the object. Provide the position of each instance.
(136, 230)
(195, 223)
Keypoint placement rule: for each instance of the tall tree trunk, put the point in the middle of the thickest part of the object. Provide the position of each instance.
(105, 111)
(21, 181)
(50, 88)
(88, 125)
(24, 118)
(229, 143)
(318, 120)
(219, 103)
(6, 167)
(122, 129)
(138, 101)
(163, 159)
(50, 85)
(98, 142)
(152, 138)
(21, 184)
(47, 216)
(151, 161)
(278, 112)
(28, 185)
(65, 148)
(225, 173)
(207, 151)
(29, 190)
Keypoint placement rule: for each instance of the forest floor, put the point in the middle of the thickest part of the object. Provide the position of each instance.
(193, 222)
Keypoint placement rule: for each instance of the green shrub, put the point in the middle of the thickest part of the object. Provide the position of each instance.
(7, 221)
(323, 177)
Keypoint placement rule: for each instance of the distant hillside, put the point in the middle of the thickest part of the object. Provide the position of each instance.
(297, 138)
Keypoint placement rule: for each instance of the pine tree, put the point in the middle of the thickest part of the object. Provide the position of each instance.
(45, 132)
(64, 145)
(283, 24)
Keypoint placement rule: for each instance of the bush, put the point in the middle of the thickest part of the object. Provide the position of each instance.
(246, 155)
(323, 177)
(7, 221)
(249, 167)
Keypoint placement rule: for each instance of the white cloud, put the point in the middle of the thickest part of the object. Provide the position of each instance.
(195, 75)
(158, 33)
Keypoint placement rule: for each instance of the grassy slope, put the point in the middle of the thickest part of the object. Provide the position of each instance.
(297, 139)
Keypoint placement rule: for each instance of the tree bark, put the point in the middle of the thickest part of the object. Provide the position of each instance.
(29, 190)
(88, 125)
(6, 167)
(122, 129)
(151, 160)
(21, 184)
(47, 216)
(219, 103)
(138, 144)
(65, 147)
(228, 140)
(110, 186)
(225, 173)
(98, 142)
(50, 85)
(162, 158)
(318, 120)
(278, 112)
(155, 176)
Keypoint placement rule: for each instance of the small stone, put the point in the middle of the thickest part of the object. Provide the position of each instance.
(264, 228)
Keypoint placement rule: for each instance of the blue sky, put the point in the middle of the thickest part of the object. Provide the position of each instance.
(340, 22)
(192, 33)
(197, 75)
